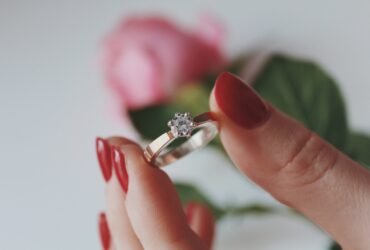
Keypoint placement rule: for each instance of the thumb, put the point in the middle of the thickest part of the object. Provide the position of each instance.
(292, 163)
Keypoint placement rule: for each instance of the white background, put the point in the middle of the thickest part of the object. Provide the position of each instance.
(53, 103)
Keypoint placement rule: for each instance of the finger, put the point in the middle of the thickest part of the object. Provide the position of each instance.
(292, 163)
(152, 203)
(122, 232)
(120, 227)
(201, 221)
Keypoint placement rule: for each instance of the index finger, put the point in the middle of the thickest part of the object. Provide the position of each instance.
(152, 204)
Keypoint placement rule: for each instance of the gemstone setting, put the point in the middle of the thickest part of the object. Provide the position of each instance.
(181, 124)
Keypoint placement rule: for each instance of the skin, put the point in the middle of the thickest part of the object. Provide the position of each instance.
(308, 175)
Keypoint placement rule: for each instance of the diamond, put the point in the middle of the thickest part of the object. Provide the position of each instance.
(181, 124)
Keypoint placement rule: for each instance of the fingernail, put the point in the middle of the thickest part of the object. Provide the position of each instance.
(189, 211)
(240, 102)
(104, 231)
(104, 157)
(119, 166)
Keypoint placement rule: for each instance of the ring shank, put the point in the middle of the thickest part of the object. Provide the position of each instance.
(157, 154)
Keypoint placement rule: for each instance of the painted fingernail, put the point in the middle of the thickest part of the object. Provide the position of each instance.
(240, 102)
(119, 166)
(104, 157)
(104, 231)
(189, 211)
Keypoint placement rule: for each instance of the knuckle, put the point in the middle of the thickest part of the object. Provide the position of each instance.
(312, 161)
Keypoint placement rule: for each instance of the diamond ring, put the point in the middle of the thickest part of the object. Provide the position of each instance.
(197, 131)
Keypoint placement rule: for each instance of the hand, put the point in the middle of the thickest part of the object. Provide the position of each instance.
(143, 209)
(293, 164)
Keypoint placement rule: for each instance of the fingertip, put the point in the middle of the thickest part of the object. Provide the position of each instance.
(102, 148)
(104, 231)
(240, 102)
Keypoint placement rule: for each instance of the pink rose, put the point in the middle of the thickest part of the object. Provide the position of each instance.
(146, 59)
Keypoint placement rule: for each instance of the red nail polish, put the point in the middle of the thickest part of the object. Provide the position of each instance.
(240, 102)
(104, 157)
(104, 231)
(189, 211)
(119, 166)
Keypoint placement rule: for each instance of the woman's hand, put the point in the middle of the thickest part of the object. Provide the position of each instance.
(143, 208)
(286, 159)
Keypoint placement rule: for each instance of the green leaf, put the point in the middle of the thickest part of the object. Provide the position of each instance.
(335, 246)
(305, 92)
(359, 148)
(250, 209)
(152, 121)
(189, 193)
(237, 65)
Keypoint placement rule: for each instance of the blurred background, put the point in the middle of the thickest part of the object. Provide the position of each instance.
(53, 103)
